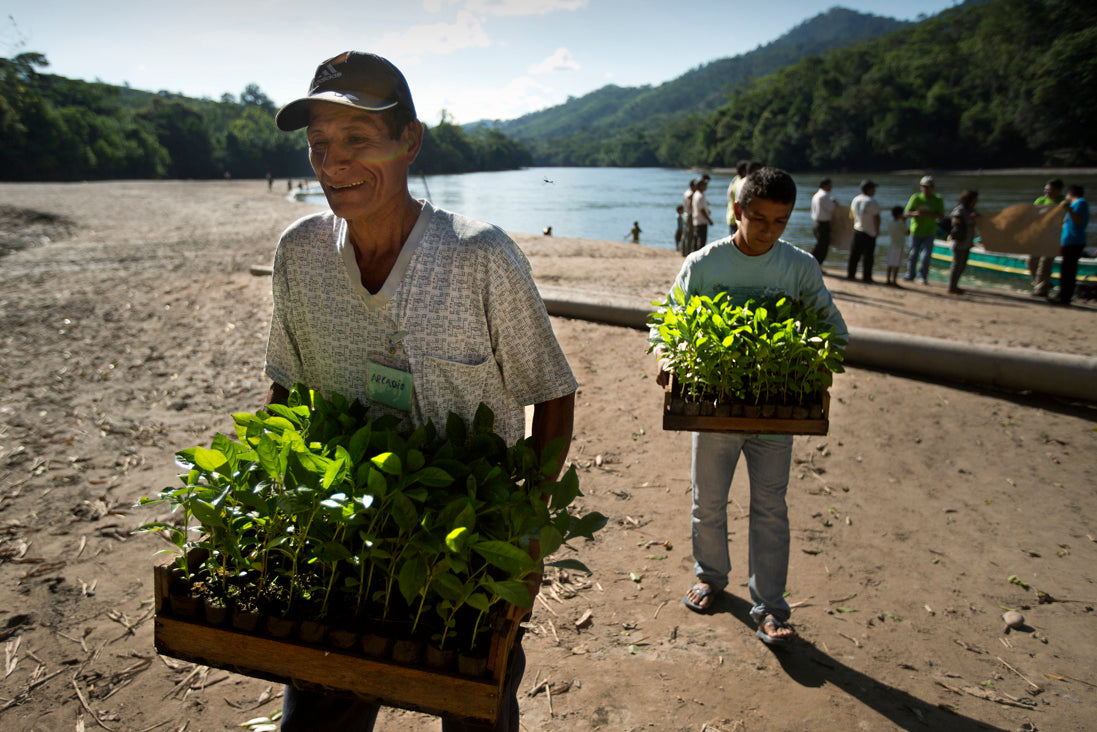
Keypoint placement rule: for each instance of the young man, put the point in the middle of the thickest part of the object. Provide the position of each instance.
(866, 227)
(923, 209)
(754, 263)
(822, 208)
(411, 310)
(1040, 267)
(1073, 242)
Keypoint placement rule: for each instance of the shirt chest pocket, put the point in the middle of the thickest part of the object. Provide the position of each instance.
(443, 386)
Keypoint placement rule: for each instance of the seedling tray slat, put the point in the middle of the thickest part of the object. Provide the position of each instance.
(750, 425)
(345, 672)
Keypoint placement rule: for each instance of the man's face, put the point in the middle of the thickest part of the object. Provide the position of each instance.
(927, 190)
(761, 223)
(361, 169)
(1052, 191)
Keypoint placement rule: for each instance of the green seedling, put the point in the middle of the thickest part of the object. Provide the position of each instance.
(316, 511)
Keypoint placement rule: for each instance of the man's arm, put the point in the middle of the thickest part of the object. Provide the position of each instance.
(276, 394)
(551, 420)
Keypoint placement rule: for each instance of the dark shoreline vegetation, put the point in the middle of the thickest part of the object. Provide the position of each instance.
(1006, 83)
(58, 129)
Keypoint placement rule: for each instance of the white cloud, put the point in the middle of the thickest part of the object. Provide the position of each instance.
(438, 38)
(507, 7)
(560, 60)
(519, 96)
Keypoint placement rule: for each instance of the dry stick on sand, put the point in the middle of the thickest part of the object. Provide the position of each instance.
(87, 707)
(1006, 664)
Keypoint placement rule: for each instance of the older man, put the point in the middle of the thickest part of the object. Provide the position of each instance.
(412, 310)
(923, 209)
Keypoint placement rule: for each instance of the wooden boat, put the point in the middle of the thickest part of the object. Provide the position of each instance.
(1011, 269)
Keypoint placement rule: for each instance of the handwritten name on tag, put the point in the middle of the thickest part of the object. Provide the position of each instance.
(389, 386)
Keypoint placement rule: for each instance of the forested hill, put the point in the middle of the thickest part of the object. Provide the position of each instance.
(1007, 83)
(58, 129)
(702, 89)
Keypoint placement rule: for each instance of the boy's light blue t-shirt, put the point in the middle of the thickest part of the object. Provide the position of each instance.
(783, 270)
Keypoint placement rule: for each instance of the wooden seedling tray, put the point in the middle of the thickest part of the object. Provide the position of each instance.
(345, 672)
(751, 425)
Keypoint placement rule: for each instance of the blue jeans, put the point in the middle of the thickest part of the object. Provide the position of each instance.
(768, 459)
(919, 246)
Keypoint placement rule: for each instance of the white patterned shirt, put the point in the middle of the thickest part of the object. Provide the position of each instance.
(459, 311)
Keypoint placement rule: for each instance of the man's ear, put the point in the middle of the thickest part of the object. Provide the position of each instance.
(413, 139)
(738, 211)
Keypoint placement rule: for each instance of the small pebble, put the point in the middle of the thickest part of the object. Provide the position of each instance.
(1014, 619)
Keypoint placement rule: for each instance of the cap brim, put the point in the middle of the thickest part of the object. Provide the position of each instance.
(295, 115)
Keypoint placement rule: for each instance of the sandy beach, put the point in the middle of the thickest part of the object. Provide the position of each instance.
(135, 329)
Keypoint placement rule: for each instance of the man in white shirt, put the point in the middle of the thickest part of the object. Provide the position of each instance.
(822, 209)
(866, 225)
(702, 215)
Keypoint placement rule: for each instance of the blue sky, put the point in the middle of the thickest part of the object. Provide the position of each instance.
(477, 59)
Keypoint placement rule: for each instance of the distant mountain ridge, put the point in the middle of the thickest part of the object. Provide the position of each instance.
(700, 90)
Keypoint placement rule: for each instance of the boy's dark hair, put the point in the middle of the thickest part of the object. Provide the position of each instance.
(772, 184)
(824, 182)
(1076, 190)
(896, 211)
(866, 186)
(1055, 183)
(754, 165)
(968, 197)
(742, 167)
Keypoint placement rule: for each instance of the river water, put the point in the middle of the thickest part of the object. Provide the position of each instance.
(603, 203)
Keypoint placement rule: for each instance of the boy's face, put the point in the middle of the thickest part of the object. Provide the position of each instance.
(761, 223)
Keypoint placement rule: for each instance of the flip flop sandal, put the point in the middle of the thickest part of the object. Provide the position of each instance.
(766, 637)
(703, 592)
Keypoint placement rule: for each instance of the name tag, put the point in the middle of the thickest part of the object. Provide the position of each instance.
(389, 386)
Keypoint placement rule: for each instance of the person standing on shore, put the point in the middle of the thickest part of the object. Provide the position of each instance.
(962, 236)
(1073, 242)
(679, 229)
(923, 209)
(702, 215)
(687, 204)
(822, 208)
(897, 233)
(1040, 267)
(742, 168)
(866, 227)
(755, 263)
(386, 289)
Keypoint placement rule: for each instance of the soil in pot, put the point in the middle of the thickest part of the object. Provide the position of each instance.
(815, 411)
(215, 612)
(343, 639)
(799, 412)
(722, 409)
(437, 658)
(377, 646)
(311, 631)
(677, 405)
(407, 651)
(691, 409)
(784, 411)
(473, 666)
(279, 627)
(752, 411)
(185, 603)
(707, 408)
(769, 410)
(245, 620)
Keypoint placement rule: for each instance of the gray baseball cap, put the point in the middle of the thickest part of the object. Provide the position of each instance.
(353, 79)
